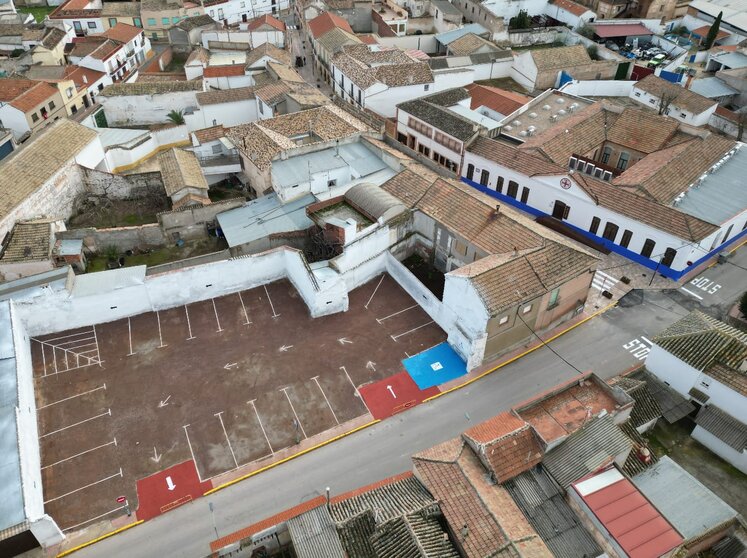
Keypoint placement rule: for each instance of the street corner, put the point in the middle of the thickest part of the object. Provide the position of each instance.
(394, 394)
(169, 489)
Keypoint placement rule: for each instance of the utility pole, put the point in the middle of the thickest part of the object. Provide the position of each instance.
(212, 514)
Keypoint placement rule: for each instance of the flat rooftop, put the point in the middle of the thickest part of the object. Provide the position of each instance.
(561, 413)
(542, 113)
(721, 194)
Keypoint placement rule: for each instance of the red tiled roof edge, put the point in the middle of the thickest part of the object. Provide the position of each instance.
(553, 389)
(295, 511)
(370, 487)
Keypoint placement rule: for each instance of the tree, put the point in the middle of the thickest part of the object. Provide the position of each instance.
(520, 21)
(712, 32)
(593, 52)
(743, 304)
(176, 117)
(665, 100)
(586, 30)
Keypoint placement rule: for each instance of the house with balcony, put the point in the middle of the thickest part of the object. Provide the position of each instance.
(84, 16)
(27, 106)
(117, 52)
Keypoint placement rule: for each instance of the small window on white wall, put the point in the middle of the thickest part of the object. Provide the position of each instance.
(526, 309)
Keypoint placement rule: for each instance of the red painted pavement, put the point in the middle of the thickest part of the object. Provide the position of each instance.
(154, 496)
(383, 404)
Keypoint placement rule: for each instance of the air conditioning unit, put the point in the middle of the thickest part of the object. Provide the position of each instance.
(531, 130)
(554, 118)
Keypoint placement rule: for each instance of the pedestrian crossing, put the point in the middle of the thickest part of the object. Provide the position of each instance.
(603, 281)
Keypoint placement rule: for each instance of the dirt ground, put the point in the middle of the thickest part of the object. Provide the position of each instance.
(725, 481)
(226, 382)
(120, 213)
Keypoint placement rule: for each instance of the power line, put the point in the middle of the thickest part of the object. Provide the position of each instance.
(546, 345)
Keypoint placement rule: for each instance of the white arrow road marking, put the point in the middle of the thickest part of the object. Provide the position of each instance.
(371, 366)
(231, 365)
(391, 391)
(170, 484)
(344, 341)
(285, 348)
(164, 402)
(156, 457)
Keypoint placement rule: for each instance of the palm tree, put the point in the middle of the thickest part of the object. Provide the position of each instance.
(176, 117)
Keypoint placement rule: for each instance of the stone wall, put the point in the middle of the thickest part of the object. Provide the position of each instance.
(123, 187)
(124, 238)
(191, 222)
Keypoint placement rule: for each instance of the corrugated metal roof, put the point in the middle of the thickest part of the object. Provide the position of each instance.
(725, 427)
(111, 137)
(712, 87)
(314, 535)
(688, 505)
(542, 502)
(621, 30)
(586, 450)
(450, 36)
(104, 282)
(12, 510)
(262, 217)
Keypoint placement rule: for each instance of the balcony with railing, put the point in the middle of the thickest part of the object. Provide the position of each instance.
(221, 163)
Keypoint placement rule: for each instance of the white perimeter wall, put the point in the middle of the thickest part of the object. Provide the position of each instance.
(725, 451)
(426, 43)
(255, 39)
(601, 88)
(122, 110)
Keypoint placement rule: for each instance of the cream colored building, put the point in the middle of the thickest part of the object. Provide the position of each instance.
(158, 16)
(121, 12)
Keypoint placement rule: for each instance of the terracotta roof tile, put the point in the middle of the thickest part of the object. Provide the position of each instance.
(509, 156)
(181, 169)
(641, 130)
(122, 32)
(470, 43)
(681, 97)
(261, 21)
(270, 50)
(499, 100)
(392, 67)
(29, 242)
(229, 70)
(326, 22)
(561, 58)
(218, 96)
(25, 94)
(213, 133)
(495, 428)
(151, 88)
(570, 6)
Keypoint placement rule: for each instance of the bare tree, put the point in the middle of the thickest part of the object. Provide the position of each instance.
(666, 99)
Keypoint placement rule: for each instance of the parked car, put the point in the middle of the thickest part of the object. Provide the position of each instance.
(657, 60)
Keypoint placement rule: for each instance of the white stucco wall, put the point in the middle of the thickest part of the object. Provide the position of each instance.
(14, 120)
(676, 112)
(724, 451)
(123, 110)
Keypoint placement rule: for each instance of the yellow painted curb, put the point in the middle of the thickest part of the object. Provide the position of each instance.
(517, 357)
(98, 539)
(294, 456)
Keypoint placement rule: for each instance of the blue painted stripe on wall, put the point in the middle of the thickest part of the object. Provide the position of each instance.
(637, 258)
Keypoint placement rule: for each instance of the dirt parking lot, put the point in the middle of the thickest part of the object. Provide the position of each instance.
(225, 382)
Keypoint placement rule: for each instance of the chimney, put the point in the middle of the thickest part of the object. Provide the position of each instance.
(516, 251)
(85, 78)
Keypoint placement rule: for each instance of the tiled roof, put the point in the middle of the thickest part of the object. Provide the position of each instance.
(469, 44)
(570, 6)
(29, 168)
(261, 141)
(267, 19)
(410, 186)
(522, 161)
(592, 446)
(29, 242)
(11, 29)
(151, 88)
(391, 67)
(673, 406)
(499, 100)
(645, 210)
(680, 97)
(441, 118)
(273, 93)
(646, 407)
(416, 535)
(664, 175)
(481, 515)
(53, 37)
(25, 94)
(560, 58)
(124, 9)
(314, 535)
(284, 72)
(634, 464)
(270, 50)
(98, 47)
(181, 169)
(543, 504)
(495, 428)
(228, 70)
(83, 77)
(509, 454)
(708, 345)
(640, 130)
(334, 40)
(194, 22)
(217, 96)
(199, 54)
(725, 427)
(122, 32)
(206, 135)
(326, 22)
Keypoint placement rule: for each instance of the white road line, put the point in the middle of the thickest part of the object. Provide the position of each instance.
(316, 379)
(372, 295)
(607, 275)
(357, 391)
(108, 412)
(192, 453)
(114, 441)
(274, 314)
(73, 397)
(298, 421)
(259, 420)
(49, 341)
(93, 518)
(244, 308)
(223, 426)
(98, 353)
(160, 337)
(647, 340)
(692, 293)
(395, 337)
(189, 324)
(129, 332)
(216, 315)
(44, 360)
(91, 362)
(54, 354)
(75, 342)
(119, 474)
(396, 313)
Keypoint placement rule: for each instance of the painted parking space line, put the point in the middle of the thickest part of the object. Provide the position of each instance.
(216, 315)
(298, 421)
(113, 442)
(374, 293)
(357, 391)
(89, 485)
(73, 527)
(272, 306)
(259, 420)
(396, 313)
(189, 324)
(73, 396)
(192, 453)
(230, 447)
(316, 380)
(108, 412)
(395, 337)
(243, 307)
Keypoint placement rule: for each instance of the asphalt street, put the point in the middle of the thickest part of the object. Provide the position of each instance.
(608, 344)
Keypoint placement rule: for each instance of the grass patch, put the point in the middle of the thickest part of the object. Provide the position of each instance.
(39, 12)
(503, 83)
(161, 255)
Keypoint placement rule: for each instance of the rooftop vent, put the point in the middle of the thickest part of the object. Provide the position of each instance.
(532, 115)
(516, 122)
(508, 128)
(561, 112)
(523, 133)
(546, 107)
(560, 100)
(531, 130)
